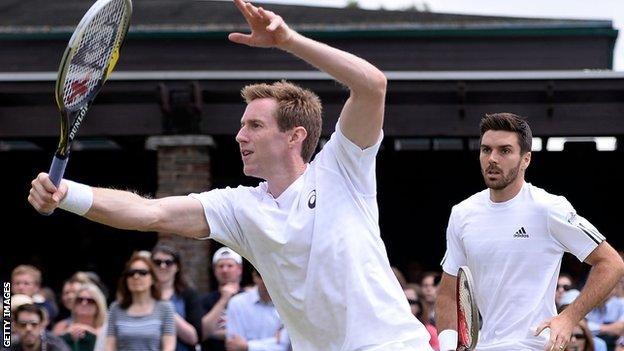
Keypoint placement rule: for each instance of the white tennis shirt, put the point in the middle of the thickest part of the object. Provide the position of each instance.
(514, 251)
(319, 251)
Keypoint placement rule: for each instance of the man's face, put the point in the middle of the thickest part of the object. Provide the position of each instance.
(263, 147)
(24, 284)
(29, 328)
(228, 271)
(500, 158)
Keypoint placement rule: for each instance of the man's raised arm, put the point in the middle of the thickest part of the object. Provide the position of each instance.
(362, 116)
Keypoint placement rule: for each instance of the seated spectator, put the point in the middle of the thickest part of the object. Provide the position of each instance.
(607, 319)
(30, 322)
(564, 283)
(578, 343)
(253, 322)
(428, 283)
(87, 322)
(174, 288)
(417, 310)
(139, 319)
(68, 295)
(26, 279)
(228, 269)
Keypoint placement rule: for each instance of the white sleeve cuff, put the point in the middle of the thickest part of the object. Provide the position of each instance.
(448, 340)
(79, 198)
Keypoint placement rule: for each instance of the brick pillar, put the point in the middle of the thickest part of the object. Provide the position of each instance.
(183, 168)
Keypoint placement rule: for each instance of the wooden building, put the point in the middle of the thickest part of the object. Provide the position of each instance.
(165, 122)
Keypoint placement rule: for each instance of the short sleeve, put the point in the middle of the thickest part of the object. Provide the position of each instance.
(220, 211)
(112, 320)
(343, 156)
(576, 234)
(168, 324)
(455, 255)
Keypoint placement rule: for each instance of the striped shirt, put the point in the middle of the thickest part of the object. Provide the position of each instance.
(141, 332)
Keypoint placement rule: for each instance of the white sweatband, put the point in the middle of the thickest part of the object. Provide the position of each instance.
(79, 198)
(448, 340)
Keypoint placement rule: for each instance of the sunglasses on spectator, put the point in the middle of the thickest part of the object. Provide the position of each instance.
(565, 287)
(579, 336)
(134, 272)
(167, 263)
(88, 300)
(23, 324)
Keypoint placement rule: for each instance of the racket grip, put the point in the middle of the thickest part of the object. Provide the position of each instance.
(57, 169)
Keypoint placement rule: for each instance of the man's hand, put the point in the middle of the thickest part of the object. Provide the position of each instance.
(267, 28)
(44, 196)
(235, 343)
(228, 290)
(560, 332)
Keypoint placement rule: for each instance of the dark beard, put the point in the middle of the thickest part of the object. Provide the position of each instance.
(504, 181)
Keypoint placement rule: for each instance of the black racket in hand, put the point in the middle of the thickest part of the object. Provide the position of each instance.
(88, 61)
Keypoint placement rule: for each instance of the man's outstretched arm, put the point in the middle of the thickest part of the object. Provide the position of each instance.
(362, 116)
(181, 215)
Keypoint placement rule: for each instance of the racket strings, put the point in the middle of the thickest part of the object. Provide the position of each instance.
(94, 50)
(466, 318)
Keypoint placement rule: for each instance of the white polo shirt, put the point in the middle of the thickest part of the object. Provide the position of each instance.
(319, 251)
(514, 251)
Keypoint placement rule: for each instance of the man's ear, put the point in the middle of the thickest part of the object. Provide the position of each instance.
(298, 135)
(526, 160)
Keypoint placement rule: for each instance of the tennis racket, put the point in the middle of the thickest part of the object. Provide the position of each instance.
(467, 312)
(88, 61)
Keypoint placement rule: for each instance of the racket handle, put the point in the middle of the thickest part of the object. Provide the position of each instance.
(57, 169)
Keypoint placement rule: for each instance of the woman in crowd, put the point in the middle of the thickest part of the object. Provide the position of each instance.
(174, 288)
(88, 318)
(139, 319)
(582, 338)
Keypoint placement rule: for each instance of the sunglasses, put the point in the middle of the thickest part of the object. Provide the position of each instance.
(167, 263)
(565, 287)
(134, 272)
(579, 336)
(88, 300)
(23, 324)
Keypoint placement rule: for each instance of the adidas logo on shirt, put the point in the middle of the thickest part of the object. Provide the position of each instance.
(521, 233)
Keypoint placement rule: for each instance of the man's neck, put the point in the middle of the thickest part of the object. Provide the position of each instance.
(280, 182)
(508, 192)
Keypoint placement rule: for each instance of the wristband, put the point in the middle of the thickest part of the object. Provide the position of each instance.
(79, 198)
(448, 340)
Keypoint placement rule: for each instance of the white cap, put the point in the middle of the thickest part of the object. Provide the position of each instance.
(226, 252)
(569, 296)
(20, 299)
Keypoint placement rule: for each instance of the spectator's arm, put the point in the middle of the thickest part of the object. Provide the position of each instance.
(615, 329)
(111, 343)
(168, 342)
(193, 310)
(209, 320)
(185, 331)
